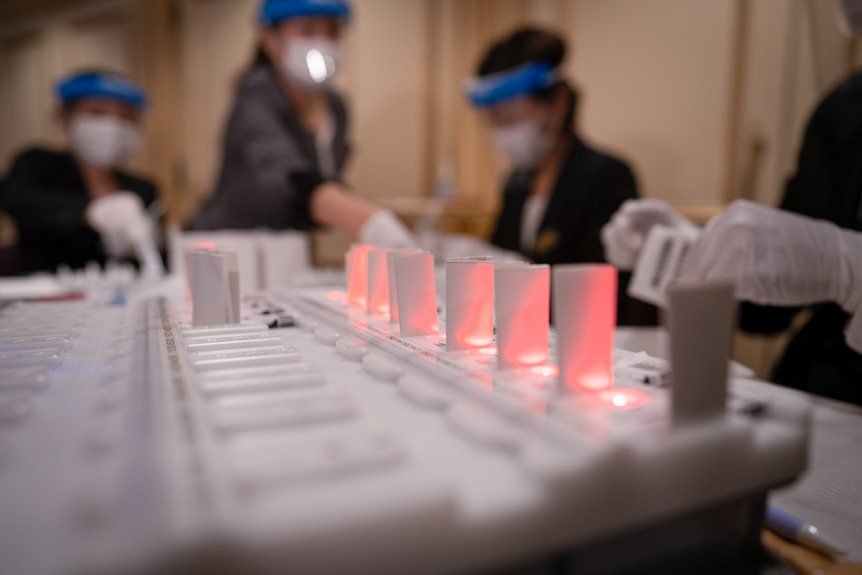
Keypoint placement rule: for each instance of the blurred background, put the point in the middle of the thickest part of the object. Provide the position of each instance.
(705, 99)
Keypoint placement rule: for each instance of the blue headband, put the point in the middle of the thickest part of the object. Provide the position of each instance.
(94, 85)
(527, 79)
(274, 11)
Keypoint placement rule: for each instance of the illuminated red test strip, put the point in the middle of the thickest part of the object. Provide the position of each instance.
(378, 282)
(469, 303)
(522, 296)
(357, 276)
(585, 303)
(417, 296)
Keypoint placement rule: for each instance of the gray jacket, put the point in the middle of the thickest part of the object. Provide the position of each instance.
(263, 145)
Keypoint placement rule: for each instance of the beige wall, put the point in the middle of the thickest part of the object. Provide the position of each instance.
(706, 99)
(655, 78)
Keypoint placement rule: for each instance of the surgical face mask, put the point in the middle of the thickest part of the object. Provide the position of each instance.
(850, 17)
(311, 62)
(525, 143)
(103, 141)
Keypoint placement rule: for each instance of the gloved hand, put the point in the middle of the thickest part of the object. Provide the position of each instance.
(624, 236)
(123, 224)
(385, 230)
(781, 258)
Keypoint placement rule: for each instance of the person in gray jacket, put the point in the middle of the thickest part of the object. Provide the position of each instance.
(286, 140)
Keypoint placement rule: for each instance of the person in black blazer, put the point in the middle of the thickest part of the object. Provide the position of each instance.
(561, 191)
(77, 206)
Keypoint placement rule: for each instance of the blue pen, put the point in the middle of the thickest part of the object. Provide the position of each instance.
(799, 531)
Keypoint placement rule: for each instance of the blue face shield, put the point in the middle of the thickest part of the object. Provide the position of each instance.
(94, 85)
(274, 11)
(527, 79)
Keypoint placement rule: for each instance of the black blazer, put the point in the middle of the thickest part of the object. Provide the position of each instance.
(46, 195)
(590, 188)
(264, 146)
(827, 185)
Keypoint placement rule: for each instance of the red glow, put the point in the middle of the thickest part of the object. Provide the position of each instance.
(621, 398)
(417, 299)
(378, 282)
(469, 304)
(335, 295)
(488, 350)
(522, 294)
(357, 280)
(585, 299)
(545, 370)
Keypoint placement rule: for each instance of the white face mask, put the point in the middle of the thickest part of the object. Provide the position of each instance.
(525, 143)
(103, 141)
(311, 62)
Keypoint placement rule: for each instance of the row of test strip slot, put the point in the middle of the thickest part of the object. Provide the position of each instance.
(263, 402)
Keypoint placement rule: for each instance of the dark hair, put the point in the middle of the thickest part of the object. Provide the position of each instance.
(527, 45)
(258, 59)
(67, 107)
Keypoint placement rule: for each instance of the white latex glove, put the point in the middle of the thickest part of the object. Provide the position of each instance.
(126, 229)
(445, 246)
(385, 230)
(781, 258)
(624, 236)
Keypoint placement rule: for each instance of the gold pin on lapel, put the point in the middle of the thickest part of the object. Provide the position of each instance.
(547, 241)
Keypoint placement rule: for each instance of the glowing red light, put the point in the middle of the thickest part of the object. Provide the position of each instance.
(417, 295)
(378, 282)
(545, 370)
(622, 398)
(469, 303)
(357, 277)
(522, 306)
(585, 299)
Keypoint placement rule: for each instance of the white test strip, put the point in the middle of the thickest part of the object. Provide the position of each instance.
(37, 357)
(217, 330)
(659, 264)
(283, 412)
(256, 372)
(19, 343)
(242, 352)
(217, 363)
(232, 344)
(38, 328)
(241, 336)
(302, 379)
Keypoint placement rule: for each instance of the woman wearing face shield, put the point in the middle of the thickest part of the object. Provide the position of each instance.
(77, 206)
(561, 191)
(286, 140)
